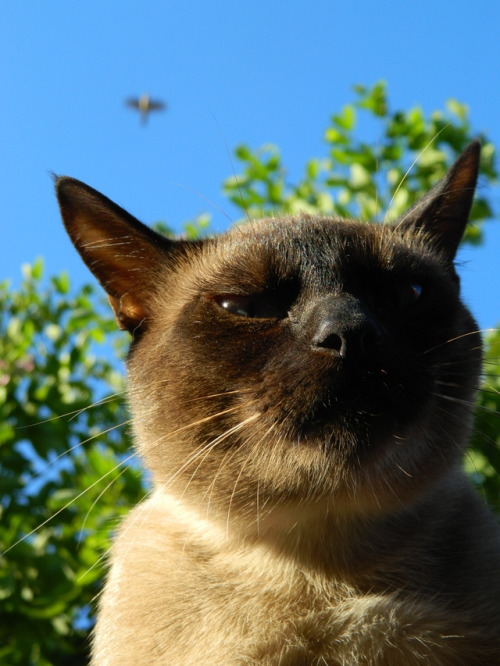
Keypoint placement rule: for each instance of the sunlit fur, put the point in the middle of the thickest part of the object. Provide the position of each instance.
(308, 503)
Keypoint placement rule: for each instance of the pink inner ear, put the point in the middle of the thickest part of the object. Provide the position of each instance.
(129, 311)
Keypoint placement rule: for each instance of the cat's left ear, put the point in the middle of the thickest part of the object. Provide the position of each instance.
(444, 211)
(127, 257)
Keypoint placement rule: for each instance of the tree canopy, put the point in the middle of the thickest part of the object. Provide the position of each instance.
(67, 467)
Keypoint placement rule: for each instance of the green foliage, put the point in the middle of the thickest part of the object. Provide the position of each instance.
(195, 228)
(407, 154)
(483, 460)
(56, 456)
(65, 472)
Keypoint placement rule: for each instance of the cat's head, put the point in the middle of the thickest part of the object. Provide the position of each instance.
(293, 358)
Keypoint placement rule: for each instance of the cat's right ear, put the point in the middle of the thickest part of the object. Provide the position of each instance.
(125, 255)
(442, 214)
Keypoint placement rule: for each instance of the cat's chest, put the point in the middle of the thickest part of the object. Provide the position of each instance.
(246, 606)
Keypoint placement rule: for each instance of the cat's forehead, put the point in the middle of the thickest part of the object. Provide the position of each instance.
(309, 248)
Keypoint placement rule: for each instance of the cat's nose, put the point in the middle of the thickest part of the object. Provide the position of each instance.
(344, 328)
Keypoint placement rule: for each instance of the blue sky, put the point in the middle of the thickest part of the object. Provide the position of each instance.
(253, 72)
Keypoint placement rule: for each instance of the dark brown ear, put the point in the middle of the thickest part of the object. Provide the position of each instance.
(444, 211)
(124, 255)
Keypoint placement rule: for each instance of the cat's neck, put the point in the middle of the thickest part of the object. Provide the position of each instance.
(318, 534)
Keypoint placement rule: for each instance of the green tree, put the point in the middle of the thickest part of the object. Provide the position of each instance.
(409, 153)
(57, 456)
(67, 470)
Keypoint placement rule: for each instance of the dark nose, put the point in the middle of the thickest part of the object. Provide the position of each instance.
(343, 327)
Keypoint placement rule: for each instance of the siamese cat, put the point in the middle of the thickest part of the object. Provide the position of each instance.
(302, 392)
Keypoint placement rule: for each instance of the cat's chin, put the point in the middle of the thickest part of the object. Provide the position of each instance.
(363, 460)
(362, 437)
(357, 420)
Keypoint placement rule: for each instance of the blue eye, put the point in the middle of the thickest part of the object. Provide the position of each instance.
(407, 295)
(416, 291)
(402, 296)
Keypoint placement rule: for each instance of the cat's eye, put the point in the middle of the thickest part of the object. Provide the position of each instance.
(415, 291)
(411, 294)
(252, 307)
(406, 295)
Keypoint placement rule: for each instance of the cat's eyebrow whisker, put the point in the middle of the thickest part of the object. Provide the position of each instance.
(209, 201)
(401, 182)
(68, 504)
(425, 202)
(232, 165)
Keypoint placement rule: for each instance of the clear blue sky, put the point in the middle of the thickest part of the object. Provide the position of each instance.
(252, 72)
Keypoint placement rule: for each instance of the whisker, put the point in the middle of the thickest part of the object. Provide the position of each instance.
(215, 442)
(76, 446)
(140, 515)
(120, 464)
(205, 419)
(401, 182)
(422, 204)
(228, 456)
(129, 391)
(458, 337)
(468, 403)
(250, 453)
(232, 164)
(68, 504)
(73, 414)
(209, 446)
(209, 201)
(103, 492)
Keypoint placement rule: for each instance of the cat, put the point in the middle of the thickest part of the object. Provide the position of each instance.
(302, 392)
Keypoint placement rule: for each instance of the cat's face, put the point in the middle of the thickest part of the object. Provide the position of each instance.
(293, 358)
(328, 351)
